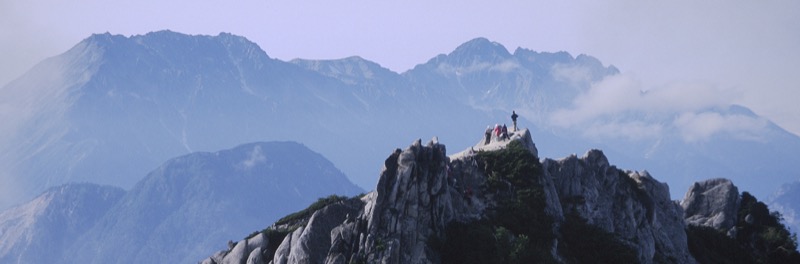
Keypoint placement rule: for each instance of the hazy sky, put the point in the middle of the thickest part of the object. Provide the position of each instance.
(747, 50)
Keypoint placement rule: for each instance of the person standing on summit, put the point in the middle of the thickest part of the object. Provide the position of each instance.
(514, 119)
(488, 135)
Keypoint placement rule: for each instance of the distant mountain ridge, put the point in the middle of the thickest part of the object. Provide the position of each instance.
(117, 106)
(175, 214)
(145, 99)
(483, 75)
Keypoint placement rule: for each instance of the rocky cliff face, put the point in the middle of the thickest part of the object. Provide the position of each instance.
(630, 204)
(421, 192)
(725, 226)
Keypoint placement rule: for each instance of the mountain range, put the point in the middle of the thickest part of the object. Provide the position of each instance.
(114, 107)
(176, 214)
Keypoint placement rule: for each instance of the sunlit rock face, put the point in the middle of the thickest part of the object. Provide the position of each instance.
(713, 203)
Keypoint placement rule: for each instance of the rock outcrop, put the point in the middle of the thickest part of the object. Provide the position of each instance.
(712, 203)
(630, 204)
(421, 191)
(412, 203)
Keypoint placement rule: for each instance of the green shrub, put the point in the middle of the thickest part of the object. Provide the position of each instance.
(467, 243)
(585, 243)
(512, 176)
(518, 230)
(709, 245)
(514, 165)
(763, 239)
(306, 213)
(512, 248)
(766, 237)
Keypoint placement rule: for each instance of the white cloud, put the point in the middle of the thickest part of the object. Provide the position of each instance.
(620, 106)
(702, 126)
(505, 66)
(635, 130)
(254, 157)
(613, 95)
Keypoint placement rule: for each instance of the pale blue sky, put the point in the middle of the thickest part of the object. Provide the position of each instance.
(748, 49)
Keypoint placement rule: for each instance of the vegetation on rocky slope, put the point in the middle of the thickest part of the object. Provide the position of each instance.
(287, 224)
(518, 230)
(585, 243)
(306, 213)
(759, 237)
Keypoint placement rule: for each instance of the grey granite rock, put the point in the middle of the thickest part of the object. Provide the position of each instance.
(712, 203)
(632, 205)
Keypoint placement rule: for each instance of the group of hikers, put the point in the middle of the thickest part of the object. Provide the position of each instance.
(453, 174)
(500, 132)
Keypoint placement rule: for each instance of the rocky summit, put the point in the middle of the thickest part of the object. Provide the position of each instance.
(496, 202)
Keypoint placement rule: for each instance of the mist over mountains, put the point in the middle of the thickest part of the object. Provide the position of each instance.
(113, 107)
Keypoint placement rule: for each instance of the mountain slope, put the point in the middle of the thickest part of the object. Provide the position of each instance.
(182, 209)
(176, 213)
(119, 106)
(36, 231)
(785, 200)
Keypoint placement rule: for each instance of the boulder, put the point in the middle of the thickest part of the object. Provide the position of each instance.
(240, 253)
(283, 251)
(712, 203)
(313, 243)
(255, 257)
